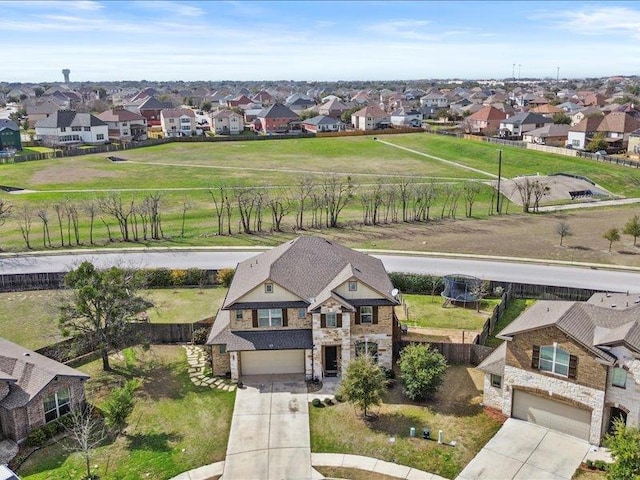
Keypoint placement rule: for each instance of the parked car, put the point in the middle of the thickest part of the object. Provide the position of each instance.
(601, 153)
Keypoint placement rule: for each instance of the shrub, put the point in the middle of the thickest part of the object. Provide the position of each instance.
(178, 277)
(200, 336)
(422, 371)
(416, 283)
(195, 276)
(328, 401)
(119, 405)
(339, 398)
(317, 403)
(224, 276)
(36, 437)
(601, 465)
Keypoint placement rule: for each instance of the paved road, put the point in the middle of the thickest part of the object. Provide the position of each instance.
(507, 271)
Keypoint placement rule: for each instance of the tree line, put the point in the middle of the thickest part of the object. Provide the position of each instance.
(313, 203)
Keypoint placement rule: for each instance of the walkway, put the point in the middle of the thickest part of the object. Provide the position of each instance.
(269, 436)
(597, 204)
(197, 367)
(371, 465)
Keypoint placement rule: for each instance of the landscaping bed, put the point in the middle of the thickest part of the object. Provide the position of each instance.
(175, 425)
(455, 409)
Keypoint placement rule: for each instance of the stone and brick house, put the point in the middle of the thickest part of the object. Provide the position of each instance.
(570, 366)
(305, 307)
(124, 125)
(277, 119)
(178, 122)
(34, 390)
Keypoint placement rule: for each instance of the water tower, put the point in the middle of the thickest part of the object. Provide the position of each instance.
(66, 73)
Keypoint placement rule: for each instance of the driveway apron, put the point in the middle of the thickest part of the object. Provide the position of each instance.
(269, 436)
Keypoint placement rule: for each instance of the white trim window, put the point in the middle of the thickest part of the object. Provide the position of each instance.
(353, 286)
(57, 404)
(366, 347)
(619, 377)
(496, 381)
(270, 317)
(554, 360)
(268, 288)
(366, 314)
(332, 320)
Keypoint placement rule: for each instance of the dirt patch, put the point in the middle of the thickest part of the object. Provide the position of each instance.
(560, 188)
(56, 174)
(442, 335)
(461, 392)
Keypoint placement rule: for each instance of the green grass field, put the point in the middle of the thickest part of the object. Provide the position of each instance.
(427, 311)
(183, 173)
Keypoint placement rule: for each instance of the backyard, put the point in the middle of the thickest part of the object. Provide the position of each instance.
(455, 410)
(175, 425)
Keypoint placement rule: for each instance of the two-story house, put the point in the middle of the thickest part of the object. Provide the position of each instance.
(227, 122)
(370, 118)
(178, 122)
(9, 135)
(123, 125)
(486, 120)
(520, 123)
(570, 366)
(580, 135)
(616, 127)
(305, 307)
(277, 119)
(67, 127)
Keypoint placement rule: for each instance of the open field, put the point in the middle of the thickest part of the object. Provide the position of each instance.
(456, 410)
(30, 318)
(175, 426)
(194, 167)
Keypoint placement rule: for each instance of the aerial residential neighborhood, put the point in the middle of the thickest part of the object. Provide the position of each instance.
(306, 240)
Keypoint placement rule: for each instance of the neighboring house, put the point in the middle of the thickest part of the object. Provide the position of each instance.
(322, 123)
(551, 134)
(406, 117)
(305, 307)
(277, 119)
(178, 122)
(9, 135)
(634, 143)
(434, 100)
(521, 123)
(41, 110)
(370, 118)
(298, 103)
(581, 134)
(547, 110)
(617, 126)
(570, 366)
(123, 125)
(240, 101)
(34, 390)
(67, 127)
(149, 108)
(333, 108)
(227, 122)
(263, 98)
(578, 116)
(486, 120)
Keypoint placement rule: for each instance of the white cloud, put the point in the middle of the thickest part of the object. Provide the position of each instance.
(614, 20)
(178, 8)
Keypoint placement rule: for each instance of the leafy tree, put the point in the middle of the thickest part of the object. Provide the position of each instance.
(346, 115)
(564, 230)
(598, 142)
(119, 405)
(39, 91)
(363, 383)
(205, 106)
(613, 235)
(561, 118)
(422, 370)
(306, 114)
(624, 445)
(102, 304)
(632, 227)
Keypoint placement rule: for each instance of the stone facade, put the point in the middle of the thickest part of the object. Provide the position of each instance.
(246, 322)
(590, 372)
(492, 396)
(558, 389)
(627, 398)
(4, 389)
(220, 362)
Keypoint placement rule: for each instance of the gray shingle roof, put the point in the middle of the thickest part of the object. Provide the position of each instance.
(305, 267)
(32, 372)
(494, 363)
(321, 120)
(69, 118)
(525, 118)
(277, 110)
(11, 125)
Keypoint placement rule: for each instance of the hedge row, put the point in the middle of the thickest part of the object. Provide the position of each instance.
(168, 277)
(417, 283)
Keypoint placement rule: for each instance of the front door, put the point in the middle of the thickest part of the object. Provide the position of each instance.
(331, 360)
(616, 414)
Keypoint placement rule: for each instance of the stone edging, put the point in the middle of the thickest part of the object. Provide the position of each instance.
(197, 365)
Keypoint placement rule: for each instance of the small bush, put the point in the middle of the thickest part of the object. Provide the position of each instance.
(328, 401)
(200, 336)
(601, 465)
(417, 283)
(339, 398)
(317, 403)
(225, 276)
(178, 277)
(36, 437)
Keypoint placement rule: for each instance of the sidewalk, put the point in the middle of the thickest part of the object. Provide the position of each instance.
(371, 465)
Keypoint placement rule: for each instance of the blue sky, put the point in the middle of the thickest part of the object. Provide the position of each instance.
(307, 40)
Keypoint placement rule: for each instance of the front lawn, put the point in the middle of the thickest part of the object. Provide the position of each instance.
(456, 410)
(174, 427)
(427, 311)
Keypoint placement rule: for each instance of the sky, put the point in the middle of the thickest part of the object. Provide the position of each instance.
(316, 40)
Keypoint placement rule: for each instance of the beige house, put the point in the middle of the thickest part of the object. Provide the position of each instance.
(305, 307)
(634, 143)
(123, 125)
(570, 366)
(227, 122)
(178, 122)
(370, 118)
(34, 390)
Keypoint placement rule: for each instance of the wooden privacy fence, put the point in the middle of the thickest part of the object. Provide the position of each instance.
(463, 353)
(18, 282)
(496, 315)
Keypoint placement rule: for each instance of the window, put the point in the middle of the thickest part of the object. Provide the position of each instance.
(171, 120)
(87, 129)
(268, 288)
(366, 314)
(238, 314)
(554, 360)
(76, 129)
(63, 129)
(100, 136)
(362, 348)
(57, 404)
(619, 378)
(496, 381)
(353, 286)
(332, 320)
(124, 124)
(575, 142)
(302, 313)
(270, 317)
(223, 349)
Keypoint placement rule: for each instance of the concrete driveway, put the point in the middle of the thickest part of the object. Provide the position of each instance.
(269, 436)
(522, 450)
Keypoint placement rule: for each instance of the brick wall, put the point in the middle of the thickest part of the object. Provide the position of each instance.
(220, 362)
(384, 325)
(293, 322)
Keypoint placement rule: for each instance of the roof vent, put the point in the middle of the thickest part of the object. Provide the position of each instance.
(608, 294)
(26, 354)
(613, 305)
(547, 309)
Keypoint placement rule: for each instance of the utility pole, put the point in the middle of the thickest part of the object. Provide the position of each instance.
(558, 74)
(499, 176)
(519, 68)
(513, 72)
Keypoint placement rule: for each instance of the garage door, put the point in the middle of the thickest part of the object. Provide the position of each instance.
(269, 362)
(551, 414)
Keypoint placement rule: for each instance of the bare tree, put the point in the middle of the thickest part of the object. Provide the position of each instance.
(471, 190)
(59, 209)
(72, 214)
(85, 431)
(228, 207)
(186, 205)
(337, 194)
(259, 197)
(405, 189)
(5, 211)
(91, 210)
(43, 215)
(280, 205)
(25, 220)
(218, 205)
(525, 187)
(455, 197)
(540, 189)
(113, 205)
(304, 187)
(564, 230)
(246, 201)
(152, 204)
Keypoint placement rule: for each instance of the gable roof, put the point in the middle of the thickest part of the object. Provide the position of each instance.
(618, 122)
(487, 113)
(277, 110)
(371, 111)
(494, 363)
(546, 108)
(69, 118)
(225, 114)
(290, 265)
(526, 118)
(119, 115)
(587, 124)
(151, 103)
(32, 372)
(177, 112)
(550, 130)
(10, 124)
(321, 120)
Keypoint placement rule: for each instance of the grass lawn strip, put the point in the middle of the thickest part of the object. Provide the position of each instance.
(427, 311)
(515, 308)
(352, 473)
(174, 427)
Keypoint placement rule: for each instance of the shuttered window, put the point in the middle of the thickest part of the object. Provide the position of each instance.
(555, 360)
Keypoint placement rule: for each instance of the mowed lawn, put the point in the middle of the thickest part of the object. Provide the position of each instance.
(455, 410)
(31, 318)
(428, 311)
(175, 426)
